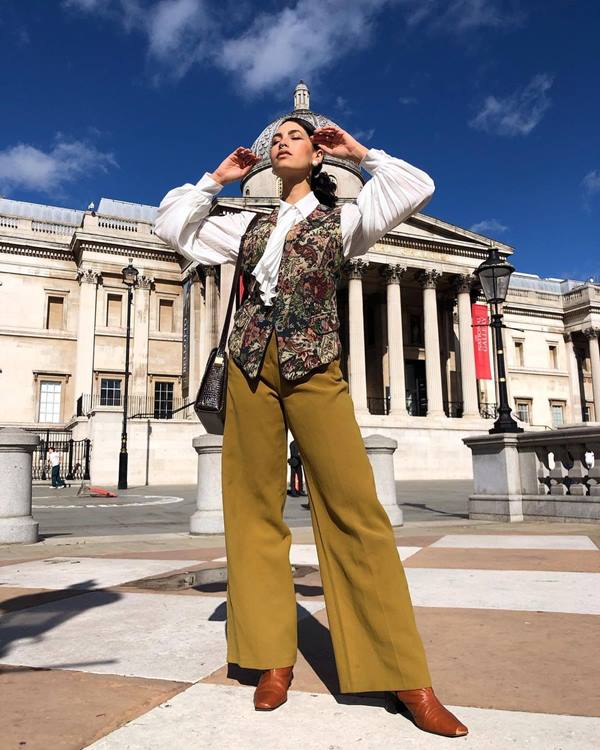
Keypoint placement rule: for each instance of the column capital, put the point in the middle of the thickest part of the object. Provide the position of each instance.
(210, 270)
(568, 336)
(88, 276)
(429, 277)
(591, 333)
(463, 283)
(393, 272)
(145, 282)
(356, 268)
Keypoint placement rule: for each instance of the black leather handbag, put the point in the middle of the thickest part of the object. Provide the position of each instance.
(211, 398)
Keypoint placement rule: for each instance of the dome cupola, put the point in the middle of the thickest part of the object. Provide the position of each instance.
(260, 182)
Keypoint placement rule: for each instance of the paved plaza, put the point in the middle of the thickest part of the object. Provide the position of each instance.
(118, 643)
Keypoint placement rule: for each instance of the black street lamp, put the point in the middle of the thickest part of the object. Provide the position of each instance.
(494, 276)
(130, 275)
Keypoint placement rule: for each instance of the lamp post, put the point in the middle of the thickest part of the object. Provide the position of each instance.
(494, 276)
(130, 275)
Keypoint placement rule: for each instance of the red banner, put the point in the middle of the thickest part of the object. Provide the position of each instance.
(481, 341)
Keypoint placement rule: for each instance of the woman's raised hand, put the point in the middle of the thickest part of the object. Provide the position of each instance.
(337, 142)
(235, 166)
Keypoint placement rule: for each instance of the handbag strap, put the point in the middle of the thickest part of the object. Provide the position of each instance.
(234, 286)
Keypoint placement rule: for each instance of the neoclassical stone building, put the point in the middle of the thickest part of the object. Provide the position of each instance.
(406, 328)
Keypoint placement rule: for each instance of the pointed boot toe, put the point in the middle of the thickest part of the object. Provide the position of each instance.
(429, 714)
(271, 691)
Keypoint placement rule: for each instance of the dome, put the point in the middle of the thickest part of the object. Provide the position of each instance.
(348, 184)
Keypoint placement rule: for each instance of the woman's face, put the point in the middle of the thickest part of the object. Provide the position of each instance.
(292, 151)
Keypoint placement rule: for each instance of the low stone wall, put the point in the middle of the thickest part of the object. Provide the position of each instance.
(549, 476)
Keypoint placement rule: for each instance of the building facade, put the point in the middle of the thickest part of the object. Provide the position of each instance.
(406, 330)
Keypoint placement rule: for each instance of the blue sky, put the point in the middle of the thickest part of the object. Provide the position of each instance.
(497, 99)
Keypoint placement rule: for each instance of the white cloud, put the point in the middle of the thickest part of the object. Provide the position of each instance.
(85, 5)
(364, 135)
(519, 112)
(492, 226)
(297, 42)
(462, 16)
(591, 182)
(27, 167)
(406, 99)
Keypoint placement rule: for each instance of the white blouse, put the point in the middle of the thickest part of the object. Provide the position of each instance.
(397, 190)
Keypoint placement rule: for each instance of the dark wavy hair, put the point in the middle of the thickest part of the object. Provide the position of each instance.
(322, 184)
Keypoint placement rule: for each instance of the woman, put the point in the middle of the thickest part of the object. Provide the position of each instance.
(284, 372)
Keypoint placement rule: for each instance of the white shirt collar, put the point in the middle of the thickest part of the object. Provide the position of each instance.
(305, 205)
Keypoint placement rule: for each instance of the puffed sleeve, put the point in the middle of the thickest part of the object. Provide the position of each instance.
(395, 191)
(183, 222)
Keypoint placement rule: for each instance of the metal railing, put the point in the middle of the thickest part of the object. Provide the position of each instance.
(138, 407)
(74, 454)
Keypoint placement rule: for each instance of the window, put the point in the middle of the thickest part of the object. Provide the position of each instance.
(519, 355)
(50, 398)
(165, 315)
(557, 409)
(523, 409)
(54, 312)
(163, 400)
(110, 392)
(415, 330)
(553, 353)
(114, 304)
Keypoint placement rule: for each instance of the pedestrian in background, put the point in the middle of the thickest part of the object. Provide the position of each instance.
(296, 480)
(54, 461)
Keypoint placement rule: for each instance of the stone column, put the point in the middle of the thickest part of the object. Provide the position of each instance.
(574, 390)
(468, 377)
(138, 359)
(358, 369)
(380, 450)
(393, 274)
(17, 525)
(433, 369)
(196, 366)
(211, 308)
(227, 274)
(208, 518)
(86, 328)
(592, 337)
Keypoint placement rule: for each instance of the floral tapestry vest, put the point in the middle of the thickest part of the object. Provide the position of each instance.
(304, 310)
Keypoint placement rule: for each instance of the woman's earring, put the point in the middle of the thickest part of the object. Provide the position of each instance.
(315, 163)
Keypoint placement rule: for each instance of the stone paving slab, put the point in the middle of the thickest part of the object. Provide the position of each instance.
(516, 541)
(306, 554)
(145, 635)
(221, 717)
(526, 590)
(83, 572)
(575, 561)
(61, 710)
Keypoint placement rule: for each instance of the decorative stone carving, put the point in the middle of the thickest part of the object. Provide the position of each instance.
(356, 268)
(88, 276)
(463, 283)
(429, 277)
(145, 282)
(591, 333)
(393, 272)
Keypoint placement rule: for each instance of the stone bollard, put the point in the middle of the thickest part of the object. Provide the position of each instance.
(380, 450)
(208, 518)
(17, 525)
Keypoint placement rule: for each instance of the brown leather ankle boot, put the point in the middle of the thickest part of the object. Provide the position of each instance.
(429, 714)
(271, 691)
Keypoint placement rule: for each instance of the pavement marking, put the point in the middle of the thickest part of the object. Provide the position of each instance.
(523, 590)
(85, 572)
(515, 541)
(158, 636)
(306, 554)
(149, 500)
(222, 716)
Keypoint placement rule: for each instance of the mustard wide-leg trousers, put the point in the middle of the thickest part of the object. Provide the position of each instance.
(376, 643)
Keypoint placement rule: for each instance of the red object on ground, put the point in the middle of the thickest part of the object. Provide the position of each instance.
(99, 492)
